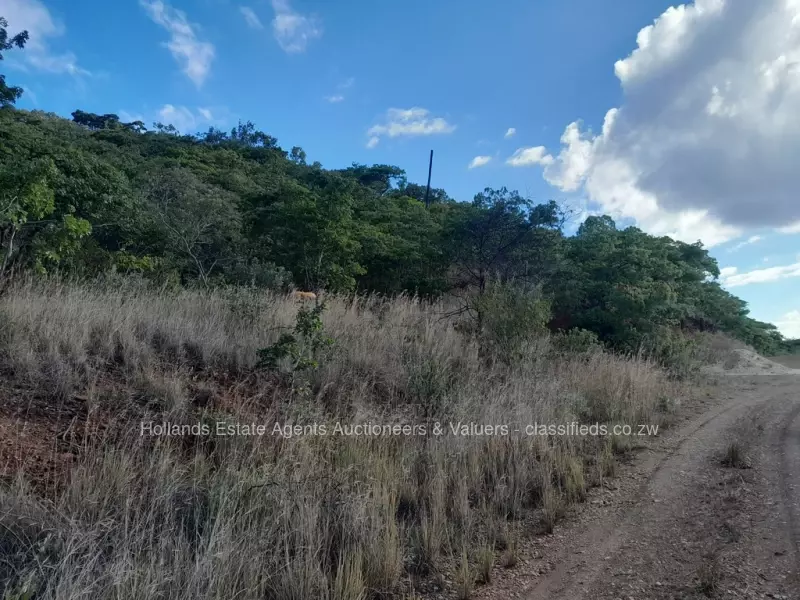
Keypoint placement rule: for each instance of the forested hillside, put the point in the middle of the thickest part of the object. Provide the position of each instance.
(90, 195)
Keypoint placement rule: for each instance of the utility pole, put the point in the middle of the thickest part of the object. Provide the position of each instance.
(428, 189)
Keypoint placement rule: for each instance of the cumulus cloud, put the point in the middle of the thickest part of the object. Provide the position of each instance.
(293, 31)
(251, 18)
(526, 157)
(789, 325)
(194, 55)
(510, 133)
(335, 98)
(408, 122)
(34, 17)
(704, 143)
(479, 161)
(730, 277)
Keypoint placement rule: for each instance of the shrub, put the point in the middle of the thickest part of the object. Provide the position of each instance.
(509, 316)
(301, 349)
(680, 354)
(576, 341)
(262, 275)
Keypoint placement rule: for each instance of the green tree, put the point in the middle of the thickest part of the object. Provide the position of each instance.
(416, 191)
(9, 94)
(298, 155)
(380, 179)
(197, 224)
(398, 237)
(25, 198)
(93, 121)
(313, 233)
(501, 236)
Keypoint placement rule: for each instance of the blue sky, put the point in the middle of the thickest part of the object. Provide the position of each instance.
(635, 108)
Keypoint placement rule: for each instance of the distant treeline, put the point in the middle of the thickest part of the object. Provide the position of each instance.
(94, 194)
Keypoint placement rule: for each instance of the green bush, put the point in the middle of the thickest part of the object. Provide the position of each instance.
(508, 317)
(301, 350)
(681, 355)
(576, 341)
(260, 274)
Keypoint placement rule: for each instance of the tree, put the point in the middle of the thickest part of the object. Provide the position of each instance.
(313, 233)
(398, 237)
(416, 191)
(246, 134)
(379, 178)
(95, 122)
(501, 236)
(627, 285)
(9, 94)
(500, 250)
(298, 155)
(197, 224)
(25, 197)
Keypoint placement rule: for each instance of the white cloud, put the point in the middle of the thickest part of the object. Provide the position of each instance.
(730, 277)
(479, 161)
(751, 240)
(194, 55)
(511, 132)
(29, 94)
(292, 30)
(344, 85)
(791, 228)
(185, 119)
(789, 325)
(251, 18)
(127, 117)
(704, 143)
(526, 157)
(408, 122)
(34, 17)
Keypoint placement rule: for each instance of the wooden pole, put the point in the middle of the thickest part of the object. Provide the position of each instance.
(428, 189)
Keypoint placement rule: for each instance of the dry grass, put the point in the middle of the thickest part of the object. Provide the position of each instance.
(250, 517)
(709, 575)
(735, 456)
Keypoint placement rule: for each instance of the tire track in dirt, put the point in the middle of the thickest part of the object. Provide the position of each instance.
(679, 483)
(789, 471)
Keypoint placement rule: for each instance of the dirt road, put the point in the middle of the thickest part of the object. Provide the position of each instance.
(684, 522)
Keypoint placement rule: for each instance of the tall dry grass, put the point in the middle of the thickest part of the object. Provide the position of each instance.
(337, 517)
